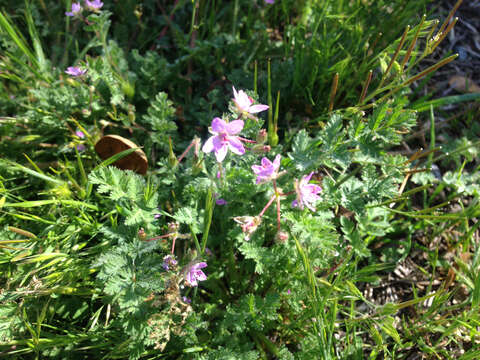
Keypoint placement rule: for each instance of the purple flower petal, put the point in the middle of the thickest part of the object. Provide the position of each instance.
(208, 146)
(194, 274)
(257, 108)
(76, 9)
(221, 152)
(276, 162)
(80, 134)
(308, 177)
(93, 5)
(266, 162)
(234, 127)
(218, 125)
(307, 194)
(75, 71)
(221, 202)
(257, 169)
(236, 145)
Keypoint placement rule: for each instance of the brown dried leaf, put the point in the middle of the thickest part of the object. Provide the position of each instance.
(110, 145)
(463, 84)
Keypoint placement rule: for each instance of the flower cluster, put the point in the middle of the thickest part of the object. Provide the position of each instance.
(225, 136)
(169, 262)
(225, 133)
(77, 9)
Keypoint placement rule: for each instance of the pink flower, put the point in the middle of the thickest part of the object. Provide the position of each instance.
(76, 10)
(268, 170)
(194, 274)
(244, 103)
(75, 71)
(224, 138)
(270, 1)
(93, 5)
(306, 193)
(221, 201)
(80, 134)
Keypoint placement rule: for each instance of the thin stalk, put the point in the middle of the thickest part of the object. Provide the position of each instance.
(159, 237)
(432, 146)
(333, 92)
(235, 15)
(408, 81)
(429, 70)
(267, 206)
(350, 175)
(412, 44)
(395, 55)
(365, 87)
(255, 78)
(428, 37)
(450, 15)
(374, 44)
(195, 239)
(186, 150)
(443, 34)
(192, 21)
(207, 220)
(275, 117)
(277, 197)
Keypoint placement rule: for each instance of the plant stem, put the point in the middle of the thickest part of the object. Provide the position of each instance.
(277, 197)
(267, 206)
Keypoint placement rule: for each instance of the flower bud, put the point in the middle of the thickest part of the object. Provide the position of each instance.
(131, 113)
(262, 136)
(273, 138)
(173, 227)
(142, 235)
(260, 149)
(197, 167)
(128, 89)
(72, 82)
(196, 147)
(172, 159)
(281, 237)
